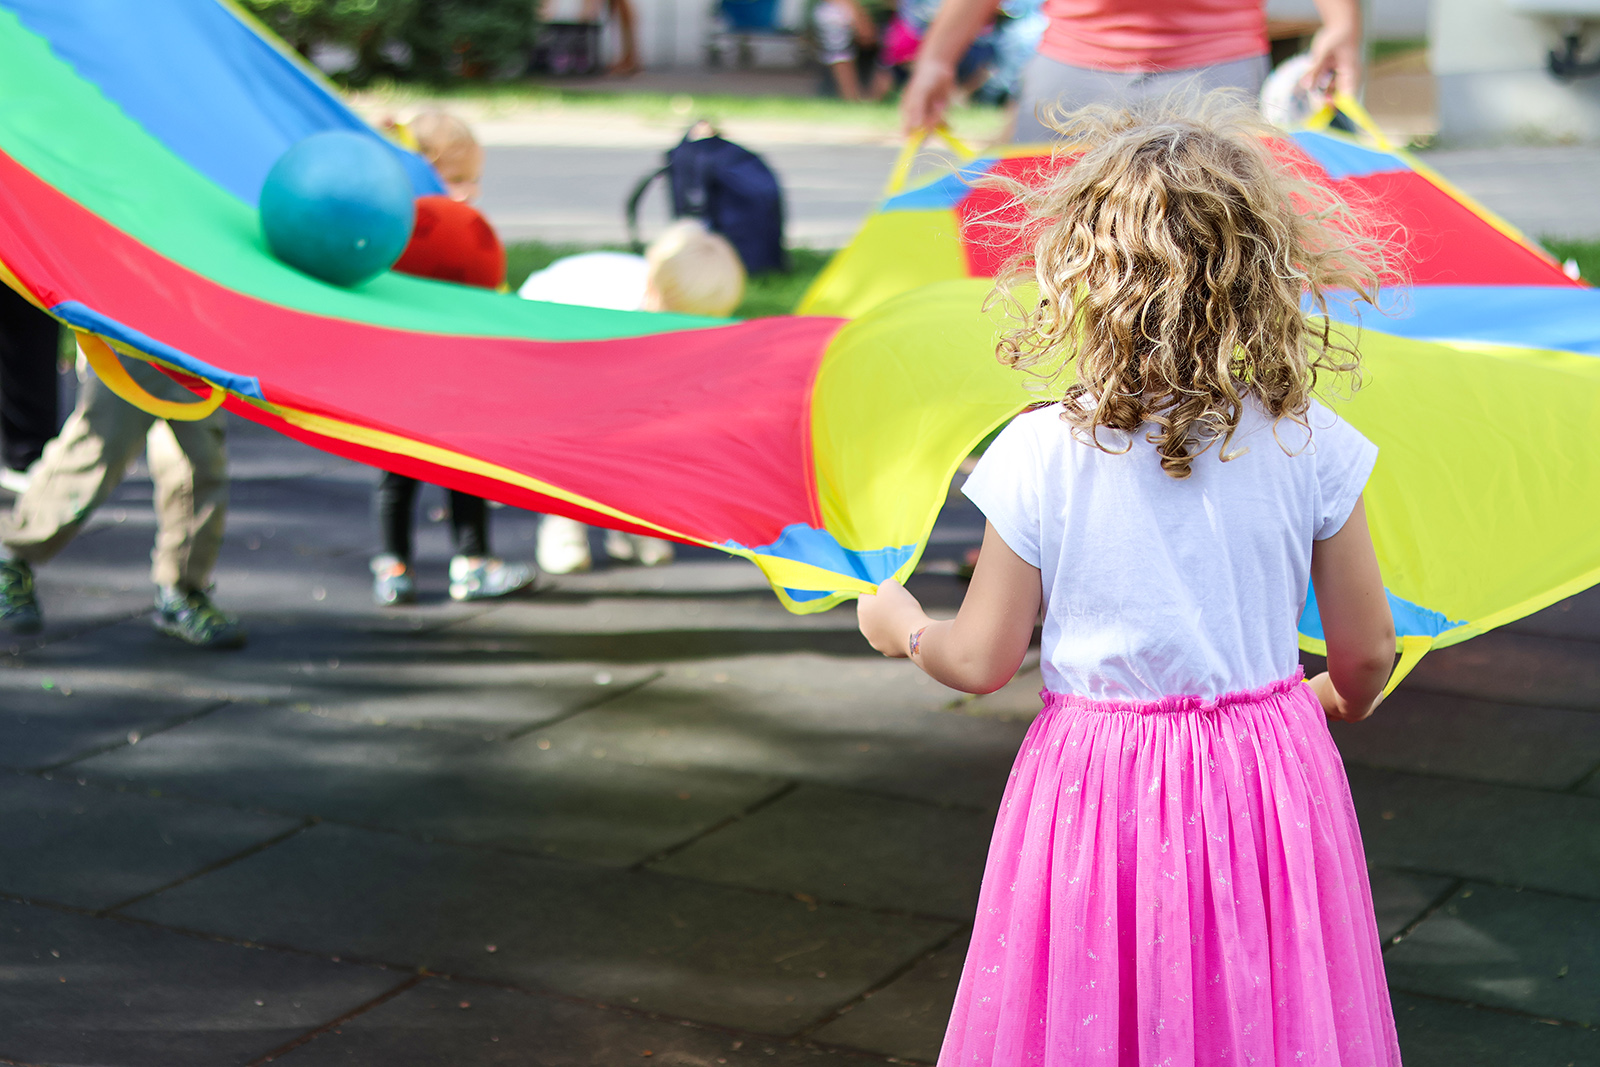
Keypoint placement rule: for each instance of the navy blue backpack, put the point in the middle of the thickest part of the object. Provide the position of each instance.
(730, 189)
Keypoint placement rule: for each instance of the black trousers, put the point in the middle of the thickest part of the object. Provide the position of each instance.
(29, 415)
(395, 502)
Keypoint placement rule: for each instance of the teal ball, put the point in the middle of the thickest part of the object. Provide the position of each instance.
(338, 206)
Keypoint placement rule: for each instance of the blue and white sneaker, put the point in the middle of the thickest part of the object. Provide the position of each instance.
(484, 577)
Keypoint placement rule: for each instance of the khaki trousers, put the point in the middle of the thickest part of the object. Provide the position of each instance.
(87, 460)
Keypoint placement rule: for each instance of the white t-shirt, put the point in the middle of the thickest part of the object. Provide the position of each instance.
(614, 280)
(1158, 587)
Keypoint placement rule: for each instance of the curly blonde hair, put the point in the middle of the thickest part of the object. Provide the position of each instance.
(1171, 259)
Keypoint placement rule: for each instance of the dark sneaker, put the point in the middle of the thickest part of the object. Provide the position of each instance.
(192, 618)
(392, 582)
(19, 606)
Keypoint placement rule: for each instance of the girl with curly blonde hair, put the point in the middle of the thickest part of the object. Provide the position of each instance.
(1176, 875)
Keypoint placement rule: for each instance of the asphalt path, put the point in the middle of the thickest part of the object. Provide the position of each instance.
(575, 195)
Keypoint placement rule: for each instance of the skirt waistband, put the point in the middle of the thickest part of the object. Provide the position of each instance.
(1054, 701)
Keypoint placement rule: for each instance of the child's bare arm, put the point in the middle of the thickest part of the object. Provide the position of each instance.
(981, 648)
(1355, 620)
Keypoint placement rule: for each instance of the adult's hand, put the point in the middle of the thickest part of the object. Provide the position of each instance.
(926, 95)
(1336, 50)
(933, 79)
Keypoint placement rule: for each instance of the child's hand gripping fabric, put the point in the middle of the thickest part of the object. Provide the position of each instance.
(981, 648)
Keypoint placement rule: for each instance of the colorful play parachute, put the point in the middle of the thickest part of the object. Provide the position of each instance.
(134, 139)
(1483, 382)
(133, 142)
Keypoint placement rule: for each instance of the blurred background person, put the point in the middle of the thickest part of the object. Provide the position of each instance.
(1120, 51)
(689, 270)
(846, 34)
(445, 141)
(81, 467)
(29, 408)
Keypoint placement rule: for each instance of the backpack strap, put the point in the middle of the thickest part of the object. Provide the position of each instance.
(633, 208)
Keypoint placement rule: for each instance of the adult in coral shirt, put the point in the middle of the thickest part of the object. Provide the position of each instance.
(1108, 51)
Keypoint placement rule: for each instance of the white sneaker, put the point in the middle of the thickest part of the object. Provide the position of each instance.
(484, 577)
(563, 546)
(620, 546)
(15, 481)
(654, 551)
(637, 548)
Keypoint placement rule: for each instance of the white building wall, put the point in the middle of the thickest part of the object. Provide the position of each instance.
(1490, 63)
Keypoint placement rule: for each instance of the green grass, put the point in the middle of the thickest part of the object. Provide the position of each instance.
(674, 108)
(767, 294)
(1587, 253)
(1382, 50)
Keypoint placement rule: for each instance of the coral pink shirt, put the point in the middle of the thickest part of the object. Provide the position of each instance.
(1151, 35)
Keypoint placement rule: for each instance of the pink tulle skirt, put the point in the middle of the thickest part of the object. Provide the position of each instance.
(1177, 883)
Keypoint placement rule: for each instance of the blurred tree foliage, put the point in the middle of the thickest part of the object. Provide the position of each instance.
(432, 40)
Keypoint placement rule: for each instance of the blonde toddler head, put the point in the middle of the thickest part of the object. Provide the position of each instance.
(446, 141)
(693, 271)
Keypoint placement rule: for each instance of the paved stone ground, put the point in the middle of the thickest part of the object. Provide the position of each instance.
(644, 816)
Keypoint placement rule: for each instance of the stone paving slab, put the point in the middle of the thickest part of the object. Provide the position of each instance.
(505, 1028)
(654, 629)
(433, 784)
(704, 952)
(76, 991)
(46, 719)
(1399, 898)
(905, 1019)
(1436, 1033)
(489, 701)
(1495, 833)
(1435, 733)
(94, 848)
(1515, 668)
(838, 845)
(864, 723)
(1526, 951)
(286, 652)
(91, 583)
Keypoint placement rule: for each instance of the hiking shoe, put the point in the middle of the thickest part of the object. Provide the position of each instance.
(484, 577)
(192, 618)
(392, 582)
(19, 606)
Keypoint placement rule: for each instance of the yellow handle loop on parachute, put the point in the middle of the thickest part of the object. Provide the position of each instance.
(1348, 106)
(908, 154)
(103, 358)
(1412, 648)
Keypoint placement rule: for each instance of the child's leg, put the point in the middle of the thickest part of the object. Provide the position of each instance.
(469, 523)
(189, 466)
(474, 574)
(78, 469)
(835, 29)
(392, 504)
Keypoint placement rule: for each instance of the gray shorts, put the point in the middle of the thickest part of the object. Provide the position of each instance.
(1048, 81)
